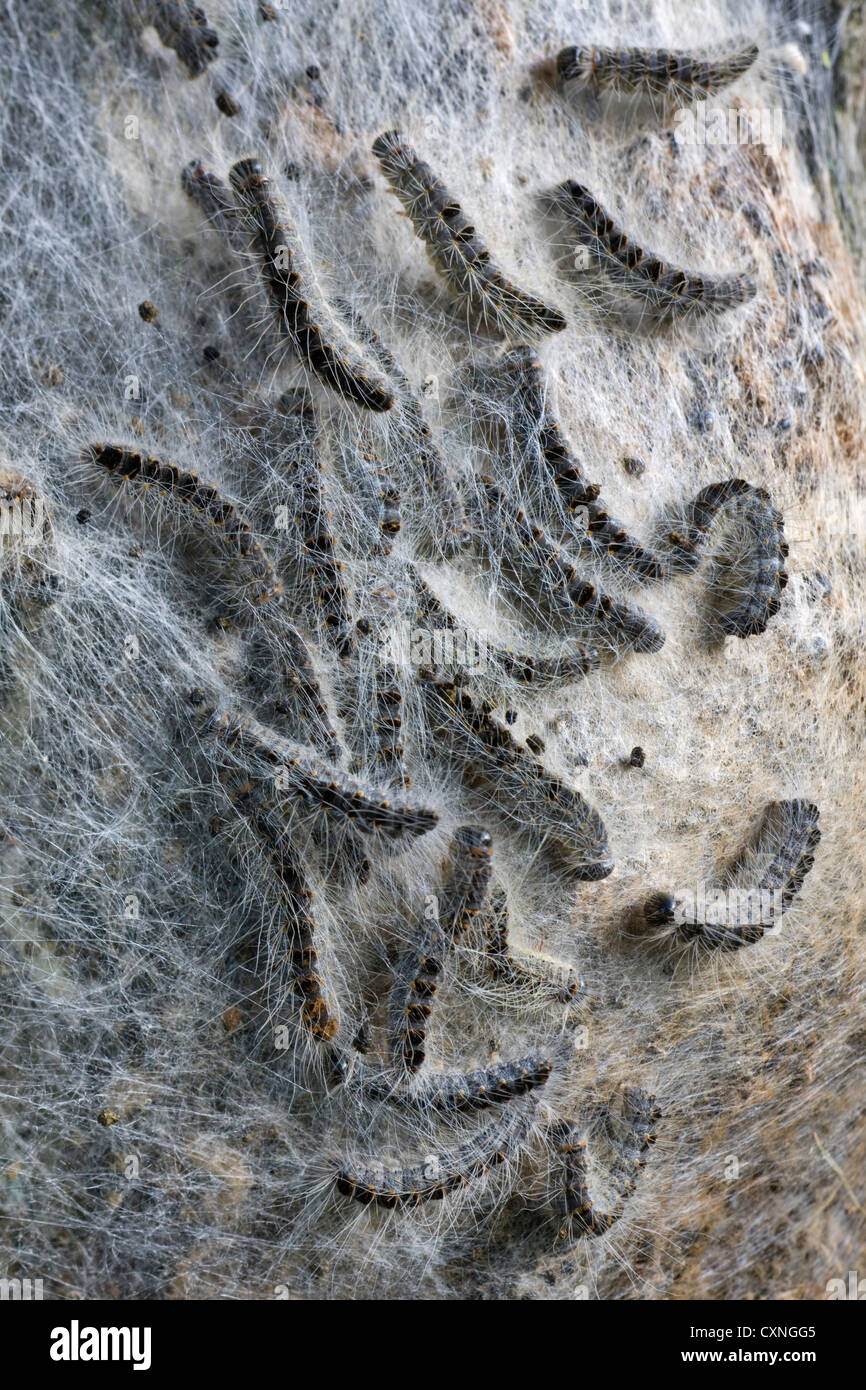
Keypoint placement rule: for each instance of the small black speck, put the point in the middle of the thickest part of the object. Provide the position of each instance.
(525, 93)
(636, 757)
(227, 104)
(196, 697)
(83, 516)
(784, 425)
(292, 171)
(210, 353)
(364, 626)
(314, 72)
(634, 466)
(511, 716)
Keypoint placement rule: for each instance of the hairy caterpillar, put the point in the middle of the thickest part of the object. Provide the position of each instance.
(183, 27)
(664, 290)
(655, 72)
(204, 502)
(386, 703)
(455, 248)
(214, 201)
(531, 973)
(534, 553)
(317, 1012)
(756, 596)
(303, 314)
(298, 776)
(29, 581)
(414, 432)
(520, 787)
(324, 569)
(777, 865)
(461, 1093)
(540, 434)
(284, 676)
(416, 975)
(537, 671)
(373, 480)
(442, 1173)
(582, 1213)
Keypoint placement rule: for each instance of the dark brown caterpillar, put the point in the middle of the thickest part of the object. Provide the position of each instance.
(29, 580)
(318, 1014)
(214, 201)
(184, 27)
(522, 970)
(386, 704)
(294, 774)
(442, 1173)
(773, 872)
(537, 671)
(464, 1093)
(284, 676)
(323, 569)
(550, 569)
(752, 580)
(414, 433)
(373, 480)
(665, 291)
(203, 502)
(520, 787)
(582, 1214)
(540, 437)
(655, 72)
(455, 248)
(416, 975)
(303, 313)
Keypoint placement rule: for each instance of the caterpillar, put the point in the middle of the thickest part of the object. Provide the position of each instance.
(385, 701)
(283, 672)
(303, 313)
(653, 72)
(325, 570)
(520, 970)
(414, 432)
(665, 291)
(535, 554)
(417, 972)
(462, 1093)
(29, 581)
(184, 28)
(582, 1214)
(214, 201)
(203, 501)
(777, 865)
(541, 435)
(456, 249)
(317, 1012)
(537, 671)
(520, 787)
(440, 1173)
(373, 480)
(300, 777)
(757, 596)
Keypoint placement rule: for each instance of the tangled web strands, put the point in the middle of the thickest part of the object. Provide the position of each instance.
(257, 1030)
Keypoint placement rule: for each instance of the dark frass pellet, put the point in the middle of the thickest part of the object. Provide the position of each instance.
(634, 466)
(148, 311)
(211, 353)
(636, 757)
